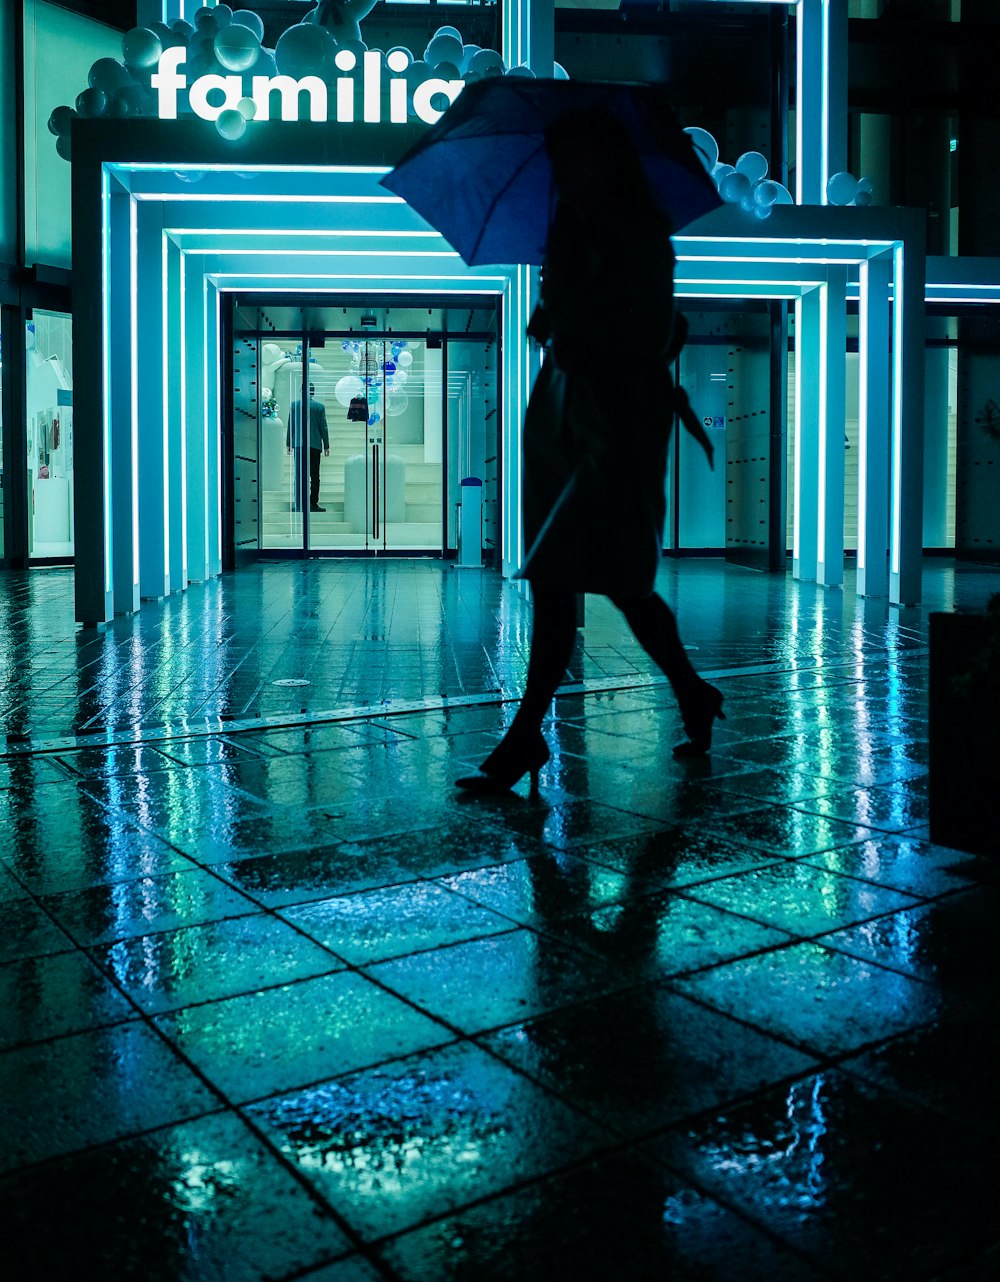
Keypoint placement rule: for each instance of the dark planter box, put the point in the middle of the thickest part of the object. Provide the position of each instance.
(965, 732)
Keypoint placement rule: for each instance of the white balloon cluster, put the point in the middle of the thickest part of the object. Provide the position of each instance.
(746, 183)
(224, 41)
(220, 41)
(845, 189)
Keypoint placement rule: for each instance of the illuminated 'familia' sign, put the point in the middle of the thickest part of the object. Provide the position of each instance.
(168, 81)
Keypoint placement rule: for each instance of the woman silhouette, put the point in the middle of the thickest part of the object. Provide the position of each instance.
(595, 441)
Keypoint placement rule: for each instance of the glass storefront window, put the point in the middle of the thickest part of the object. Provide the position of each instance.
(49, 387)
(59, 49)
(2, 484)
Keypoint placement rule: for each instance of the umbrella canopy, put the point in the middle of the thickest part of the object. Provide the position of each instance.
(481, 175)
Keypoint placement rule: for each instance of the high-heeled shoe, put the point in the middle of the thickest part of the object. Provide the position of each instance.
(699, 720)
(509, 761)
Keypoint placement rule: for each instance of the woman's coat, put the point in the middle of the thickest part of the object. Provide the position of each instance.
(598, 421)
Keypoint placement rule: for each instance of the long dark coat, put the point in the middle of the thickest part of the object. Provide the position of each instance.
(598, 420)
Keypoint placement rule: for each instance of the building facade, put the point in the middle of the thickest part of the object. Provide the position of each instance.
(179, 271)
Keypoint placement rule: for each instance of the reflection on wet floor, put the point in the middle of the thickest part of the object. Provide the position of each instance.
(277, 1002)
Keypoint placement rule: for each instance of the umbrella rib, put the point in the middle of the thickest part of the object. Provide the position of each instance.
(496, 199)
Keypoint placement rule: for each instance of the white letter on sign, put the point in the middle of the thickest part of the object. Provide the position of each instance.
(231, 86)
(424, 92)
(290, 90)
(166, 81)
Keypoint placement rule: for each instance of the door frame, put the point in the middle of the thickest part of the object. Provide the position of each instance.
(304, 335)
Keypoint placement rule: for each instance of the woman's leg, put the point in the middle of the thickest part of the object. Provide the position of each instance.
(523, 749)
(655, 628)
(553, 633)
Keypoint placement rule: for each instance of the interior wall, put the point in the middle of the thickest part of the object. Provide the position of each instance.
(977, 525)
(246, 488)
(748, 435)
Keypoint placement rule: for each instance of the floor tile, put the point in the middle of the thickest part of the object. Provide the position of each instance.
(71, 865)
(104, 913)
(950, 943)
(112, 762)
(882, 808)
(381, 924)
(178, 968)
(574, 824)
(10, 887)
(642, 1059)
(904, 863)
(394, 1145)
(676, 856)
(469, 841)
(283, 1038)
(353, 1268)
(666, 934)
(788, 832)
(541, 889)
(202, 1200)
(298, 876)
(949, 1067)
(650, 1225)
(304, 780)
(210, 750)
(60, 1096)
(27, 931)
(489, 982)
(43, 997)
(867, 1186)
(799, 898)
(816, 998)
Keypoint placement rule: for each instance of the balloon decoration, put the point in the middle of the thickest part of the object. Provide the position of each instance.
(845, 189)
(231, 124)
(378, 374)
(747, 183)
(236, 47)
(705, 146)
(226, 41)
(348, 388)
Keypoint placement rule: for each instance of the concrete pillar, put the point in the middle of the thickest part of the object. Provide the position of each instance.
(808, 357)
(528, 35)
(213, 423)
(154, 479)
(541, 37)
(174, 358)
(193, 399)
(92, 461)
(122, 397)
(830, 445)
(874, 427)
(821, 97)
(935, 519)
(906, 501)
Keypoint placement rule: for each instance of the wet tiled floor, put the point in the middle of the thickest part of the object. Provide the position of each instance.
(276, 1002)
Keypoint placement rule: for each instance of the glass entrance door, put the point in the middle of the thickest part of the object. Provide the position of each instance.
(370, 476)
(359, 430)
(384, 484)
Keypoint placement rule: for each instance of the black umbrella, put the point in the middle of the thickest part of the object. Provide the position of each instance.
(481, 175)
